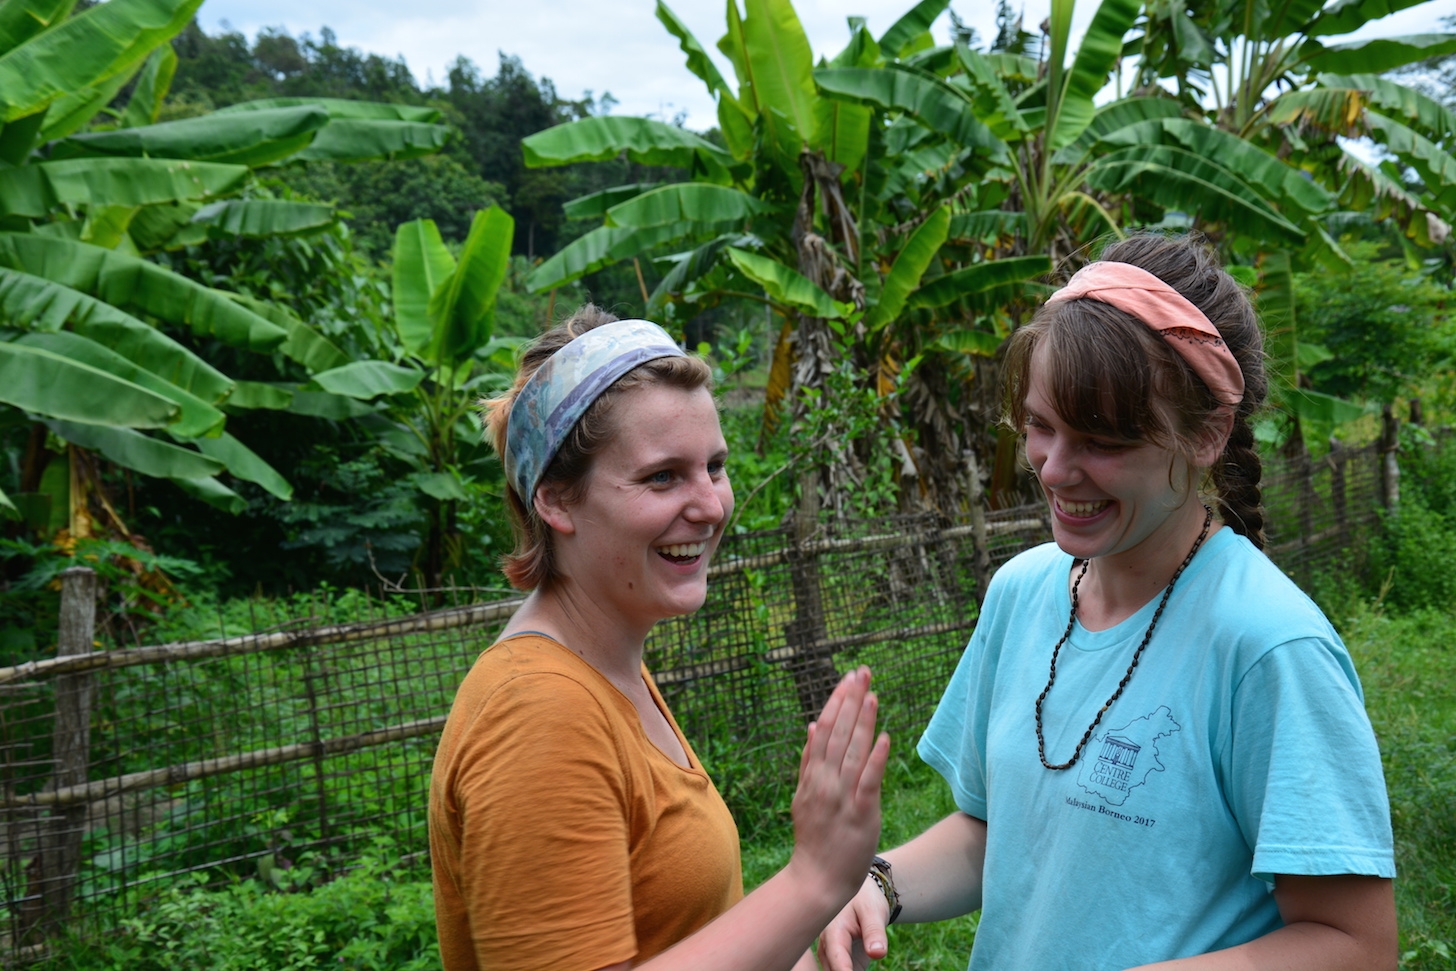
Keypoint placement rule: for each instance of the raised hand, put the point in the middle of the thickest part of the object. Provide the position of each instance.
(837, 805)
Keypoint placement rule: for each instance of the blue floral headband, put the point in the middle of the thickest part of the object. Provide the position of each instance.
(564, 387)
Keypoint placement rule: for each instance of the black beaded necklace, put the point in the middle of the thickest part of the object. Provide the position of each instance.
(1072, 620)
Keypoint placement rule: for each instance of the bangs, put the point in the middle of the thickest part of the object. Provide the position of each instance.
(1100, 367)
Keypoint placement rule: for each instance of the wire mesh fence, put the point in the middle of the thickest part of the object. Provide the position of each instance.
(288, 742)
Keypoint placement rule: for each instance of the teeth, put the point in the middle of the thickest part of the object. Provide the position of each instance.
(1082, 508)
(683, 549)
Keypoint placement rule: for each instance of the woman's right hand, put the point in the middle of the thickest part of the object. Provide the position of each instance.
(856, 936)
(837, 805)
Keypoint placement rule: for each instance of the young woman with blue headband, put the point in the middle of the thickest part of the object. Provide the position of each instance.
(1155, 741)
(572, 827)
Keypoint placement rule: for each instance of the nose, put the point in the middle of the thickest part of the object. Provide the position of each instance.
(710, 500)
(1054, 460)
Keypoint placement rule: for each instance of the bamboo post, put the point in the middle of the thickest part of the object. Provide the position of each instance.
(59, 855)
(1338, 499)
(814, 672)
(980, 546)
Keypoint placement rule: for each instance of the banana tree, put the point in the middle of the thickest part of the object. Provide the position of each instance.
(815, 205)
(87, 191)
(446, 357)
(1280, 79)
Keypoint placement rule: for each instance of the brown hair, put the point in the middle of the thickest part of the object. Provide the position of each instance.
(532, 565)
(1110, 374)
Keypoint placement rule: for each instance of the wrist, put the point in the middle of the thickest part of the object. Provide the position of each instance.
(883, 878)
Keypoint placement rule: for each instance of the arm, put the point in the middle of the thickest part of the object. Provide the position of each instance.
(836, 825)
(1336, 923)
(937, 875)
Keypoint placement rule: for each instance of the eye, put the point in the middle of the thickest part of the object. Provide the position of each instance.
(717, 468)
(660, 477)
(1110, 447)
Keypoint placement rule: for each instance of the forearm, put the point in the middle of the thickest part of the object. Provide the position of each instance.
(772, 927)
(938, 873)
(1333, 923)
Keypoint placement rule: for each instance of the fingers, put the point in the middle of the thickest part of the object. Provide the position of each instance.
(838, 721)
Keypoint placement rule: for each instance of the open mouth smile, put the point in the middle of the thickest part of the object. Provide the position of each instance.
(682, 552)
(1082, 510)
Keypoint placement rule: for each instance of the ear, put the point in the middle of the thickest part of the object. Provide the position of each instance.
(1215, 438)
(553, 511)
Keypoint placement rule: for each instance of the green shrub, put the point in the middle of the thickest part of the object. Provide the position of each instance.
(1412, 557)
(378, 917)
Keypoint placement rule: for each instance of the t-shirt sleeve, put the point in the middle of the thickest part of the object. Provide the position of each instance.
(954, 743)
(544, 801)
(1304, 775)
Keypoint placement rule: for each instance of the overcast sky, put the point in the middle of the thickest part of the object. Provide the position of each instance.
(618, 45)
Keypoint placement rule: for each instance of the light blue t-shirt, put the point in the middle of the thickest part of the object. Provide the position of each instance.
(1240, 749)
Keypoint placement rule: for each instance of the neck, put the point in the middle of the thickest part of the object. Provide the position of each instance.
(600, 639)
(1118, 586)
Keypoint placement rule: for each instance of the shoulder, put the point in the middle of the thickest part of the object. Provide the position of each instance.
(1029, 568)
(534, 681)
(1252, 599)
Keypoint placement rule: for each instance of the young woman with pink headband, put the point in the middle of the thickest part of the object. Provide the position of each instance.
(1156, 743)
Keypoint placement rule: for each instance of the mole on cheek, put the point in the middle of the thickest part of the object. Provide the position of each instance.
(630, 585)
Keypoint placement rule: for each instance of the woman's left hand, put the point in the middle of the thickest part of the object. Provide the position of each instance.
(837, 805)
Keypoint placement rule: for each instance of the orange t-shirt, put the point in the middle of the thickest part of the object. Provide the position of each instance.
(561, 837)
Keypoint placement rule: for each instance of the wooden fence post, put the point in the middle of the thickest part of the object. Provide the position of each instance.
(814, 673)
(980, 538)
(1389, 465)
(59, 853)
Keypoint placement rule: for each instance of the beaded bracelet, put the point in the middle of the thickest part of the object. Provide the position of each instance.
(885, 880)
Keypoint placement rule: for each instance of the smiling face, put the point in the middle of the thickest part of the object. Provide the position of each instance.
(1109, 497)
(638, 542)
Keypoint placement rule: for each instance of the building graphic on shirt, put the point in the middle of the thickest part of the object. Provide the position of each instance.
(1126, 756)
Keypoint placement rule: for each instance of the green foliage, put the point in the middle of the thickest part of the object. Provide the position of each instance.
(1380, 326)
(378, 917)
(1409, 562)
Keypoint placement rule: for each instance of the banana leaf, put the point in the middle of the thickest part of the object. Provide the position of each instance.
(367, 380)
(988, 225)
(362, 139)
(263, 217)
(341, 108)
(595, 205)
(132, 450)
(44, 383)
(321, 404)
(983, 343)
(911, 25)
(604, 137)
(1279, 182)
(782, 64)
(978, 278)
(257, 394)
(137, 285)
(910, 265)
(151, 88)
(604, 246)
(422, 264)
(1435, 166)
(303, 344)
(244, 463)
(1347, 16)
(786, 286)
(74, 110)
(1423, 114)
(34, 303)
(934, 103)
(698, 60)
(37, 189)
(685, 202)
(1098, 55)
(195, 418)
(463, 309)
(993, 102)
(96, 44)
(252, 139)
(20, 20)
(1175, 178)
(17, 138)
(688, 267)
(1378, 55)
(214, 493)
(7, 508)
(1114, 117)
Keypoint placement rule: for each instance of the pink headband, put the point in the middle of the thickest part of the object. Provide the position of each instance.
(1134, 290)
